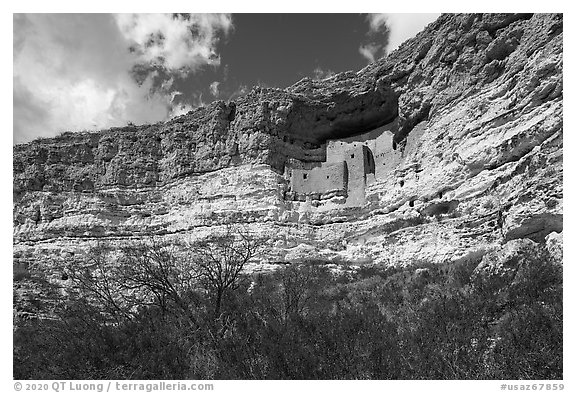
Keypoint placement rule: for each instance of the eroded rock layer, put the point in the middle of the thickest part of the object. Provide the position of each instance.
(463, 122)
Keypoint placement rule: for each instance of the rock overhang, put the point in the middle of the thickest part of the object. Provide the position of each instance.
(346, 113)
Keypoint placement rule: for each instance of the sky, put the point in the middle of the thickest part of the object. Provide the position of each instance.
(74, 72)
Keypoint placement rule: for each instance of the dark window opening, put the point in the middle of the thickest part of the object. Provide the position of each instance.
(394, 145)
(371, 164)
(232, 113)
(304, 176)
(327, 177)
(64, 277)
(352, 156)
(401, 183)
(411, 203)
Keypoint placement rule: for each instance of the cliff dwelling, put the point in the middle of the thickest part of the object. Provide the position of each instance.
(351, 164)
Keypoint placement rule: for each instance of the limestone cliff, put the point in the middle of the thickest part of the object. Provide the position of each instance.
(464, 123)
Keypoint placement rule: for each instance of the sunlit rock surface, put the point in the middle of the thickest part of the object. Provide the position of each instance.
(476, 107)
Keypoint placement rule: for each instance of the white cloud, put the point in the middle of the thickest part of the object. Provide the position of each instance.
(319, 73)
(73, 72)
(377, 21)
(401, 26)
(182, 43)
(214, 88)
(369, 51)
(179, 110)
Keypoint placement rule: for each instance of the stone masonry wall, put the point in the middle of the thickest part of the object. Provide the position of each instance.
(328, 177)
(386, 153)
(356, 159)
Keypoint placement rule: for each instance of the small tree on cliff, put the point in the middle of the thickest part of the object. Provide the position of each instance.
(220, 260)
(162, 274)
(98, 280)
(138, 274)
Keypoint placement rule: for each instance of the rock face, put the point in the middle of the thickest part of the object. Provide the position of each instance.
(463, 124)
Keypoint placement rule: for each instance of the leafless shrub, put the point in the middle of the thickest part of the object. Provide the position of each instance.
(220, 259)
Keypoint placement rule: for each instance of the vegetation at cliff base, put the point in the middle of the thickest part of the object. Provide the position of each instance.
(159, 314)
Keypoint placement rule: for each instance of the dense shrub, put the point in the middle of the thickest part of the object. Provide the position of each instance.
(306, 322)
